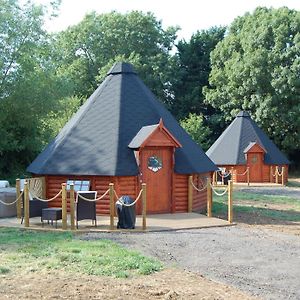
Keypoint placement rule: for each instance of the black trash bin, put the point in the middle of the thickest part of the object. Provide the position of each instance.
(126, 214)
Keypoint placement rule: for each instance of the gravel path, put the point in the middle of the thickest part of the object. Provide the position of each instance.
(258, 261)
(279, 191)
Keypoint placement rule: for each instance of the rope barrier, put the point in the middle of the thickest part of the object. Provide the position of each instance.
(219, 194)
(243, 173)
(133, 203)
(12, 203)
(197, 189)
(93, 200)
(45, 200)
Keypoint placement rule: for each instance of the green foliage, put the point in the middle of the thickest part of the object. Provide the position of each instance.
(256, 68)
(89, 49)
(193, 72)
(40, 251)
(194, 126)
(29, 84)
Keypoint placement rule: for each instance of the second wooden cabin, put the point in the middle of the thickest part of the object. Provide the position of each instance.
(244, 146)
(124, 135)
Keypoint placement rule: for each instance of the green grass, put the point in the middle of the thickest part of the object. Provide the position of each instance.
(36, 251)
(293, 183)
(252, 201)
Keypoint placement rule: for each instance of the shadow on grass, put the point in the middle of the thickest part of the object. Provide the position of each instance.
(256, 215)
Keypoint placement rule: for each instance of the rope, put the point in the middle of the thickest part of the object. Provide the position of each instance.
(197, 189)
(92, 200)
(45, 200)
(243, 173)
(133, 203)
(12, 203)
(219, 194)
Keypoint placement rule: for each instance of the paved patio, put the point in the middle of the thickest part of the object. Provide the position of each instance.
(160, 222)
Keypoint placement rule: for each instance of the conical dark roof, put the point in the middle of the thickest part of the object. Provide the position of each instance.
(95, 141)
(229, 148)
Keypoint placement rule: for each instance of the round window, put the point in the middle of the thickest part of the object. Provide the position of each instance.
(254, 159)
(154, 163)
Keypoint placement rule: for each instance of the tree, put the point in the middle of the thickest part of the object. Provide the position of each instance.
(29, 85)
(194, 126)
(193, 73)
(92, 46)
(257, 68)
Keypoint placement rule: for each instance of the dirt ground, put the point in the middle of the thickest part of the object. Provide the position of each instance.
(168, 284)
(258, 261)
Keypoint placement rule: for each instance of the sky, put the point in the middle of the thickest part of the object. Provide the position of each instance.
(189, 15)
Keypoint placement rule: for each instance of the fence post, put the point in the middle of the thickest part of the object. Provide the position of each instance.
(144, 207)
(282, 176)
(190, 194)
(232, 174)
(26, 204)
(111, 205)
(230, 207)
(276, 172)
(72, 206)
(209, 198)
(248, 176)
(19, 202)
(271, 174)
(44, 194)
(64, 206)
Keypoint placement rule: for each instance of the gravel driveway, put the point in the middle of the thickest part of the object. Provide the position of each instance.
(258, 261)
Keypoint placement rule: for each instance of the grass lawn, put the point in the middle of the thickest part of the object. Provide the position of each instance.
(38, 251)
(259, 205)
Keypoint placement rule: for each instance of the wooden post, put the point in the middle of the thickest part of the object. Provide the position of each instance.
(282, 176)
(64, 206)
(214, 178)
(248, 176)
(209, 198)
(276, 171)
(26, 204)
(190, 194)
(144, 201)
(111, 206)
(19, 202)
(271, 174)
(230, 206)
(72, 206)
(44, 196)
(232, 174)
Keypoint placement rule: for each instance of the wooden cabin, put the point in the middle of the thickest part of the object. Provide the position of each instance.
(123, 135)
(244, 146)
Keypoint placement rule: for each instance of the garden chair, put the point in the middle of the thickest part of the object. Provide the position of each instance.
(86, 209)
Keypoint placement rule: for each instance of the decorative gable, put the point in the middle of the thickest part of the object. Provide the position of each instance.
(254, 147)
(154, 136)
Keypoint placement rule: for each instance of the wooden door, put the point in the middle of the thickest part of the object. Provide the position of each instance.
(156, 168)
(255, 163)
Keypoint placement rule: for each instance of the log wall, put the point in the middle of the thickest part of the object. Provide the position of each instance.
(240, 169)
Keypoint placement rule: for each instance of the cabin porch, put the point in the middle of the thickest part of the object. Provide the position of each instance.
(158, 222)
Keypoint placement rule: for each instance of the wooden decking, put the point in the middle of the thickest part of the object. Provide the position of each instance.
(160, 222)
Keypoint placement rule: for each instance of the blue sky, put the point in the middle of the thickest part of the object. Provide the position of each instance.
(190, 15)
